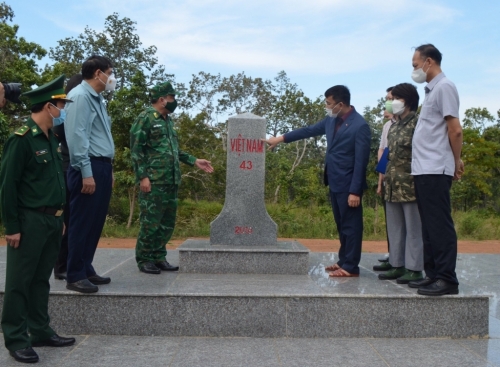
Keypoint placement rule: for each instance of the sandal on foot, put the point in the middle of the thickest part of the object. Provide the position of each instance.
(332, 267)
(341, 273)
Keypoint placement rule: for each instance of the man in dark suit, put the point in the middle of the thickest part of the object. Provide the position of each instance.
(348, 149)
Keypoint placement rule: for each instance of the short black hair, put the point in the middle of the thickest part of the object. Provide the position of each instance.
(73, 82)
(93, 63)
(339, 93)
(39, 106)
(389, 89)
(408, 92)
(429, 50)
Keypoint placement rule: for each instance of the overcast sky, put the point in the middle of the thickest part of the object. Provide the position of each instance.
(364, 44)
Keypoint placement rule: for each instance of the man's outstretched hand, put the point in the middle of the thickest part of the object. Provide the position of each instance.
(273, 141)
(204, 165)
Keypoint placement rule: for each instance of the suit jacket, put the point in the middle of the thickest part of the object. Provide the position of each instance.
(347, 151)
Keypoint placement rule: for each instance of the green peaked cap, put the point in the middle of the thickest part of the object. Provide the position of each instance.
(51, 90)
(162, 89)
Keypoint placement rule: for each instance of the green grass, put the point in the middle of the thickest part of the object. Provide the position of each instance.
(194, 218)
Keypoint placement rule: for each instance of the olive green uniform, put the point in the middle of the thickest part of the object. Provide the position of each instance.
(155, 154)
(31, 179)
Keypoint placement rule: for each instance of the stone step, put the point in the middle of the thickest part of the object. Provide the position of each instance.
(198, 256)
(260, 305)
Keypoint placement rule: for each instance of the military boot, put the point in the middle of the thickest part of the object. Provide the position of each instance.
(383, 266)
(409, 276)
(394, 273)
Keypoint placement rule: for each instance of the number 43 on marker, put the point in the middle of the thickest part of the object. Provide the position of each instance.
(246, 165)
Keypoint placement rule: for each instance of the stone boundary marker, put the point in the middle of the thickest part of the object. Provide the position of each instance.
(244, 220)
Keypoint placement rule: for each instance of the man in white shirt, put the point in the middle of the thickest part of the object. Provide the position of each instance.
(437, 145)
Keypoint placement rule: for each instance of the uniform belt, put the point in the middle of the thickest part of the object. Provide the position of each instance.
(102, 159)
(50, 211)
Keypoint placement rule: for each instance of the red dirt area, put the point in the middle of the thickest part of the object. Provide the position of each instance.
(320, 245)
(317, 245)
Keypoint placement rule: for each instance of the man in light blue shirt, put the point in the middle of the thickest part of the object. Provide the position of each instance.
(90, 177)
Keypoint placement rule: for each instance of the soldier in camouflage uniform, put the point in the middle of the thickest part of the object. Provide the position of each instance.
(404, 227)
(155, 156)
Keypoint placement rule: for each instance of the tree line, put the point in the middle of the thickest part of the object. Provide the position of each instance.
(294, 171)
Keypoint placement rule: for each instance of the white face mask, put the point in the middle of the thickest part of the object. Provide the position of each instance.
(398, 107)
(110, 84)
(330, 113)
(419, 75)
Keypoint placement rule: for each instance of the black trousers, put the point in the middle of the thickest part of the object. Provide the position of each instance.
(438, 230)
(349, 223)
(62, 259)
(88, 214)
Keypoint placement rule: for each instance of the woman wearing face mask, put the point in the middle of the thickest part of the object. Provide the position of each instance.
(404, 227)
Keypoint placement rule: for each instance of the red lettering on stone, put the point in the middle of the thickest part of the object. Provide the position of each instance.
(243, 230)
(241, 144)
(260, 146)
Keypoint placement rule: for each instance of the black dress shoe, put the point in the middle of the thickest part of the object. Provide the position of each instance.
(82, 286)
(26, 355)
(439, 288)
(149, 268)
(165, 266)
(55, 341)
(97, 280)
(420, 283)
(60, 276)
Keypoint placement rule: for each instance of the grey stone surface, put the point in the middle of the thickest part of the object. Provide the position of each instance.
(488, 350)
(494, 328)
(244, 219)
(327, 352)
(422, 352)
(313, 305)
(169, 316)
(198, 256)
(123, 351)
(244, 285)
(387, 317)
(106, 351)
(210, 352)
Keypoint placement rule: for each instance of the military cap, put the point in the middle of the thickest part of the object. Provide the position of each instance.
(49, 91)
(162, 89)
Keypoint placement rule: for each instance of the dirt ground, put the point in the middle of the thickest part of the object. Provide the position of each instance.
(318, 245)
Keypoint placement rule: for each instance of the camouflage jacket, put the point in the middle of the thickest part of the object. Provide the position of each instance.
(154, 149)
(399, 186)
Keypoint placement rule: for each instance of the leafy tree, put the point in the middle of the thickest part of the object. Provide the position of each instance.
(480, 155)
(119, 42)
(17, 63)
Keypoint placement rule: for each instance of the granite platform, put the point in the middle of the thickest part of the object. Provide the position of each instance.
(155, 351)
(311, 305)
(199, 256)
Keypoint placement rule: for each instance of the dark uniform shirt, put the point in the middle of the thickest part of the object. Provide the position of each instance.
(31, 174)
(154, 149)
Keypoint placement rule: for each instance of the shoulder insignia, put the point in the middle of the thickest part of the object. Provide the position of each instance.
(155, 115)
(22, 130)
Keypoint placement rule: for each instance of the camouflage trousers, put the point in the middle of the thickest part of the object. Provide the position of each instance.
(158, 209)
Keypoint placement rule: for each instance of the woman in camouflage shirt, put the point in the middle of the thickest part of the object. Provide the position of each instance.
(404, 227)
